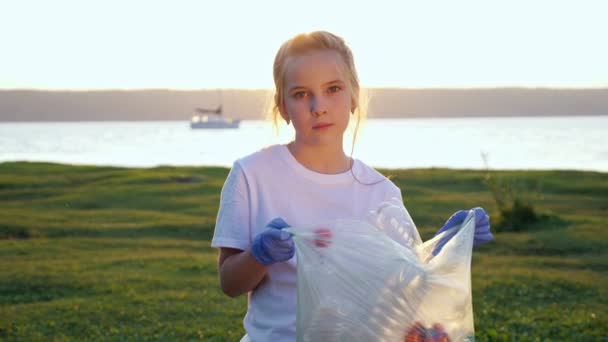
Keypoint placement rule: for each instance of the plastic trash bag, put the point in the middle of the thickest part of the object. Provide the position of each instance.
(356, 283)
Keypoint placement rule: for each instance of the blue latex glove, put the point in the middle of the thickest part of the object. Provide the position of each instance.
(482, 228)
(273, 245)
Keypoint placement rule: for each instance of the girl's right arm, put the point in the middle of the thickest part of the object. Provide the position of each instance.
(239, 271)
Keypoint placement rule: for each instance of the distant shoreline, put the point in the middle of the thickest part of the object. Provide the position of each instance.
(170, 105)
(262, 119)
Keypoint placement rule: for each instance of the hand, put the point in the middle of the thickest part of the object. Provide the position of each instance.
(273, 245)
(323, 237)
(482, 228)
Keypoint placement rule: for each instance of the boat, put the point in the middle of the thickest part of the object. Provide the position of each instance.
(212, 118)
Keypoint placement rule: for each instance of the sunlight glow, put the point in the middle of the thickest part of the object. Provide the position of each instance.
(69, 44)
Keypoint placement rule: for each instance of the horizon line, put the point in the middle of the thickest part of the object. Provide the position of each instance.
(605, 87)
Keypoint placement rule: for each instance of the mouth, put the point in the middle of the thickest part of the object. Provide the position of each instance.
(321, 125)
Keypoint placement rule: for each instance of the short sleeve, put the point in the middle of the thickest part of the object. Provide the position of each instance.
(394, 193)
(232, 224)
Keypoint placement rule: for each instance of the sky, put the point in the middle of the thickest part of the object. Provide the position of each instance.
(128, 44)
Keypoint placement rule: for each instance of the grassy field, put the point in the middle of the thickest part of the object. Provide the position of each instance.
(103, 253)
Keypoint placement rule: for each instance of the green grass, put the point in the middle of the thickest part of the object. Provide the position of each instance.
(102, 253)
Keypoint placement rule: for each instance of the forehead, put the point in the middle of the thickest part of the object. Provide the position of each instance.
(314, 68)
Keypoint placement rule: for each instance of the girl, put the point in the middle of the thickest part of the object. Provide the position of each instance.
(309, 180)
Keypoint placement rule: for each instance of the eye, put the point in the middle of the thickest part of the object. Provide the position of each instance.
(334, 89)
(299, 94)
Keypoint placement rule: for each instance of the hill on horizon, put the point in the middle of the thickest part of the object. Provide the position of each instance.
(166, 104)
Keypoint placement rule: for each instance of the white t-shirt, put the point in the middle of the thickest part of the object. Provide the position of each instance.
(272, 183)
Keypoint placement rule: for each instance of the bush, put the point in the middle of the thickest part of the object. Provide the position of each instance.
(514, 201)
(517, 217)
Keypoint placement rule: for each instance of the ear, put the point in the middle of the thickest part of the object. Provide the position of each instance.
(353, 106)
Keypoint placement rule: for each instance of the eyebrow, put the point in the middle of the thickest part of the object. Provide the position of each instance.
(334, 81)
(325, 84)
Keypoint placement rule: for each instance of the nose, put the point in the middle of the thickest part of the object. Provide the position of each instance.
(317, 106)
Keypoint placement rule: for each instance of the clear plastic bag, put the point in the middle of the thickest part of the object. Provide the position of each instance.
(356, 283)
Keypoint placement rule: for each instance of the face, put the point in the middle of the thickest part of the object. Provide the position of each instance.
(318, 99)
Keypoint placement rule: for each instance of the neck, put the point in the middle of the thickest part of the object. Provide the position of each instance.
(326, 159)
